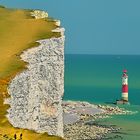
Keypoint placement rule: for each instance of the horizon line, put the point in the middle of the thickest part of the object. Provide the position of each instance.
(96, 54)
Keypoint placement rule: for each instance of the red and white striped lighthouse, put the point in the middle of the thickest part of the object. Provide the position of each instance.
(125, 86)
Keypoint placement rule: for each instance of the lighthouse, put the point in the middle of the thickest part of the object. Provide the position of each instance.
(124, 94)
(125, 86)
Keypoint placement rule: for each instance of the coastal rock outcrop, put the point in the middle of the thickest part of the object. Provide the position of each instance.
(37, 14)
(36, 93)
(82, 120)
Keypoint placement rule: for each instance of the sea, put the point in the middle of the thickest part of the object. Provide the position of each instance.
(97, 79)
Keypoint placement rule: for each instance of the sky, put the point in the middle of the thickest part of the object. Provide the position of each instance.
(93, 26)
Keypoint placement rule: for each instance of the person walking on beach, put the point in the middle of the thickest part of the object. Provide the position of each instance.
(15, 136)
(21, 136)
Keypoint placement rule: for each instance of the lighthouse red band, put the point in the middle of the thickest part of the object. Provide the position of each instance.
(125, 85)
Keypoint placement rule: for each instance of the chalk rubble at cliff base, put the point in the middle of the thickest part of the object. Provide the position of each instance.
(80, 120)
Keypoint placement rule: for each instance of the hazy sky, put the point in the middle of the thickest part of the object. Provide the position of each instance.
(93, 26)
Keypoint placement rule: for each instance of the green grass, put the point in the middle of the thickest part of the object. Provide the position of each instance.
(18, 31)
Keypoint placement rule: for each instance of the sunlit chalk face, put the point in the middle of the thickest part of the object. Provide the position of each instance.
(49, 110)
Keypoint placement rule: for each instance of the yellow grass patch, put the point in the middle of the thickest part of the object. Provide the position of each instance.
(18, 31)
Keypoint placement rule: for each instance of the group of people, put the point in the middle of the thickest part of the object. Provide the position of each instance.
(20, 137)
(14, 138)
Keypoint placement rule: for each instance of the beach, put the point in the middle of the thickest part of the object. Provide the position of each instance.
(97, 80)
(81, 120)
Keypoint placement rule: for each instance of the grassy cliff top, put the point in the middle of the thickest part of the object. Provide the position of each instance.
(18, 31)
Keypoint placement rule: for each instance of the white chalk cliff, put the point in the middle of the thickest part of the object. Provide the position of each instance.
(36, 93)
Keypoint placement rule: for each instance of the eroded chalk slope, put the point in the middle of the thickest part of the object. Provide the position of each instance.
(36, 93)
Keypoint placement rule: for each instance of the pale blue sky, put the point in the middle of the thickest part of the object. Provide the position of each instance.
(93, 26)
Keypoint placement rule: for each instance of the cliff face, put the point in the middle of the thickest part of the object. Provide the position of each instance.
(36, 93)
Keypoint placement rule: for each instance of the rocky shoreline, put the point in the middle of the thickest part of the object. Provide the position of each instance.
(81, 120)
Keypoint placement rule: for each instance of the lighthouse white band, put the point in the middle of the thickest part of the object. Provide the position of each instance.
(125, 96)
(124, 81)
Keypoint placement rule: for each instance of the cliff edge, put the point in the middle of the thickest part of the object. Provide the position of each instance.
(32, 75)
(36, 93)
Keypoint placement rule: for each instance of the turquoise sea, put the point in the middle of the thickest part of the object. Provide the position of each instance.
(97, 79)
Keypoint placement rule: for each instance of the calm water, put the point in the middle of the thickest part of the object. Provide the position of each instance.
(97, 79)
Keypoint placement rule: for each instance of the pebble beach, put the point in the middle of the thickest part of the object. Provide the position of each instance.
(80, 120)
